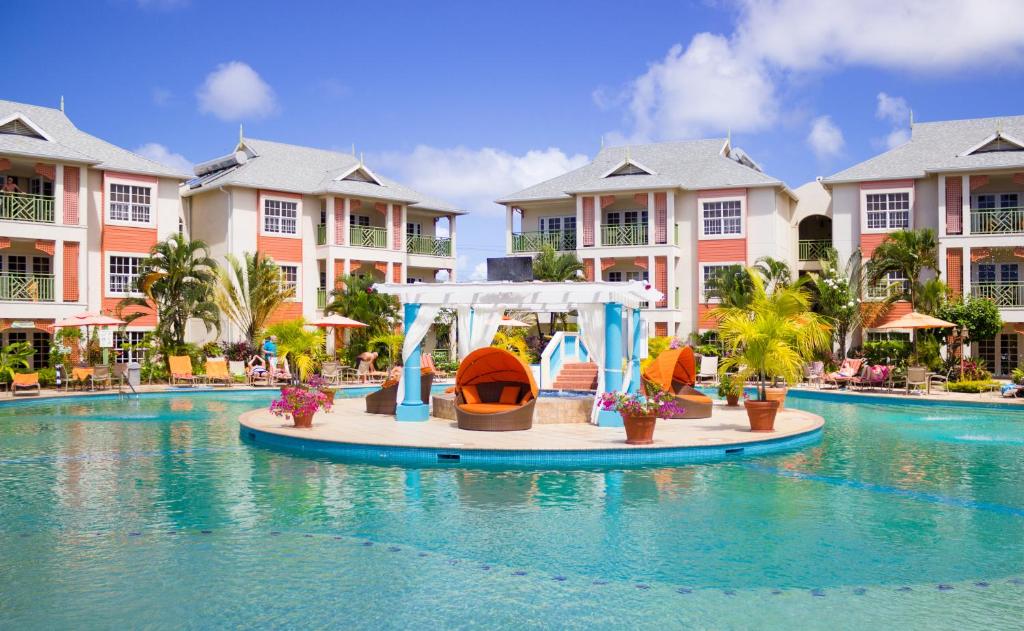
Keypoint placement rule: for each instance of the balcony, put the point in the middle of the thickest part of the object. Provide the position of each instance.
(321, 298)
(997, 221)
(562, 240)
(368, 237)
(26, 287)
(813, 249)
(321, 234)
(624, 234)
(25, 207)
(1006, 295)
(430, 246)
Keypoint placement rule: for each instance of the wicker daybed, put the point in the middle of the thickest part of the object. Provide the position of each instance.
(675, 371)
(494, 392)
(384, 401)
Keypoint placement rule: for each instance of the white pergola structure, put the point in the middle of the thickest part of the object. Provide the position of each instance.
(481, 305)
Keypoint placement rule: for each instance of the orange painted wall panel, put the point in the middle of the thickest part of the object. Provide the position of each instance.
(71, 249)
(897, 310)
(127, 239)
(109, 306)
(721, 250)
(704, 319)
(868, 243)
(287, 311)
(280, 248)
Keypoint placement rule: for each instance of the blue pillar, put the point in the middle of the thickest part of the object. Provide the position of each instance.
(612, 361)
(634, 360)
(412, 408)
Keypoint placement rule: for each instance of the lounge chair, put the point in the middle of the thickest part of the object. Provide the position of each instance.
(283, 375)
(917, 376)
(873, 377)
(708, 368)
(217, 371)
(80, 376)
(236, 368)
(120, 375)
(384, 401)
(181, 370)
(258, 376)
(813, 373)
(367, 372)
(100, 376)
(849, 369)
(673, 371)
(494, 391)
(25, 381)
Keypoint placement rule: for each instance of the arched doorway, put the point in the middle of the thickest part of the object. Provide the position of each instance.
(815, 237)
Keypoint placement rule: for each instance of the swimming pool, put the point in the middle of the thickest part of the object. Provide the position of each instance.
(151, 512)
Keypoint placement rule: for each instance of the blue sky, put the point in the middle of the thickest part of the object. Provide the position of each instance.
(473, 100)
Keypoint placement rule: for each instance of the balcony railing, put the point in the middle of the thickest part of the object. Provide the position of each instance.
(997, 221)
(431, 246)
(884, 290)
(1003, 294)
(813, 249)
(321, 297)
(624, 234)
(535, 241)
(368, 237)
(25, 207)
(321, 234)
(26, 287)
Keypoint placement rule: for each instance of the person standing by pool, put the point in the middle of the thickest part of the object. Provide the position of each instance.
(270, 352)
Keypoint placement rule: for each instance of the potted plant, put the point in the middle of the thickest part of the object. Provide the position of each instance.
(769, 339)
(639, 412)
(319, 383)
(776, 392)
(300, 403)
(731, 388)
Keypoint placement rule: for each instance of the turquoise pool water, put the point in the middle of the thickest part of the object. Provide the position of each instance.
(152, 513)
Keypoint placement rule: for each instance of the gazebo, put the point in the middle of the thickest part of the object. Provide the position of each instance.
(605, 309)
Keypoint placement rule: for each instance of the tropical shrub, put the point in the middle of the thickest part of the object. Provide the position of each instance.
(972, 386)
(238, 351)
(838, 288)
(388, 345)
(249, 290)
(979, 316)
(513, 343)
(303, 348)
(968, 370)
(894, 352)
(910, 253)
(357, 299)
(729, 385)
(1018, 376)
(14, 358)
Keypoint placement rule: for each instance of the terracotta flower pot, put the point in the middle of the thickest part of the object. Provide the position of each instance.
(639, 429)
(761, 415)
(777, 394)
(329, 393)
(732, 400)
(304, 421)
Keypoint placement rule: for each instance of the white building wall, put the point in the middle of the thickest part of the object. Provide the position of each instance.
(845, 219)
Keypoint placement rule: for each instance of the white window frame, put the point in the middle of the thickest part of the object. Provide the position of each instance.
(110, 182)
(107, 273)
(864, 229)
(353, 221)
(263, 216)
(702, 268)
(298, 278)
(543, 223)
(742, 234)
(413, 229)
(998, 200)
(127, 356)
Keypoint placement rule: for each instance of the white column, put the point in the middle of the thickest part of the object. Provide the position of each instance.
(598, 274)
(347, 221)
(651, 279)
(347, 268)
(58, 195)
(329, 221)
(390, 223)
(451, 235)
(965, 197)
(579, 222)
(942, 205)
(650, 219)
(508, 228)
(83, 272)
(402, 228)
(598, 216)
(671, 221)
(83, 202)
(58, 267)
(670, 285)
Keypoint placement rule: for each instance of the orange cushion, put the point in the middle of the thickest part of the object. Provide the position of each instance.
(470, 394)
(486, 408)
(526, 398)
(694, 398)
(509, 395)
(26, 379)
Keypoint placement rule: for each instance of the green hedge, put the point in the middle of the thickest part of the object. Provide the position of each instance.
(972, 387)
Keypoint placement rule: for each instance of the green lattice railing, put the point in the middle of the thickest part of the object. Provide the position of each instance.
(624, 234)
(535, 241)
(321, 234)
(1003, 294)
(997, 221)
(26, 287)
(813, 249)
(321, 297)
(368, 237)
(25, 207)
(431, 246)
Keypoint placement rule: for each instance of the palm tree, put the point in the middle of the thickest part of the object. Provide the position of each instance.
(14, 357)
(295, 342)
(176, 280)
(357, 299)
(908, 253)
(248, 292)
(775, 272)
(773, 336)
(392, 344)
(556, 267)
(838, 288)
(731, 285)
(514, 344)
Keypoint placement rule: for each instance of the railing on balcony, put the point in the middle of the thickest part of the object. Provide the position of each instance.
(624, 234)
(997, 221)
(321, 297)
(368, 236)
(1003, 294)
(431, 246)
(26, 287)
(321, 234)
(884, 290)
(25, 207)
(813, 249)
(535, 241)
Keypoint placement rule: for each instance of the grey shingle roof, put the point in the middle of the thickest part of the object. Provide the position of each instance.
(311, 171)
(936, 147)
(72, 144)
(691, 164)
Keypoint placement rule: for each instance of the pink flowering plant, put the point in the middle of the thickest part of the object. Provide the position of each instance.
(657, 403)
(299, 400)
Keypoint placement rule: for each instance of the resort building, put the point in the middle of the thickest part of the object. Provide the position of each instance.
(964, 179)
(671, 213)
(319, 214)
(77, 216)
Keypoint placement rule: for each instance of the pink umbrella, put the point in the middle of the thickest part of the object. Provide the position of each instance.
(88, 318)
(336, 321)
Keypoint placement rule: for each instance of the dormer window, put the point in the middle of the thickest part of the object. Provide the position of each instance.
(359, 174)
(628, 169)
(997, 142)
(19, 125)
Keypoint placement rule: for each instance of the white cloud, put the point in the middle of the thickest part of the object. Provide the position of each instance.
(235, 91)
(893, 109)
(473, 178)
(159, 153)
(708, 87)
(897, 137)
(479, 272)
(825, 138)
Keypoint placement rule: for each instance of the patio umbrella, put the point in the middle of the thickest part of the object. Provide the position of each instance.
(335, 321)
(915, 321)
(88, 318)
(506, 321)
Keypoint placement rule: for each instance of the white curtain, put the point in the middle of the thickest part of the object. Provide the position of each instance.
(591, 322)
(486, 320)
(627, 321)
(414, 337)
(465, 313)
